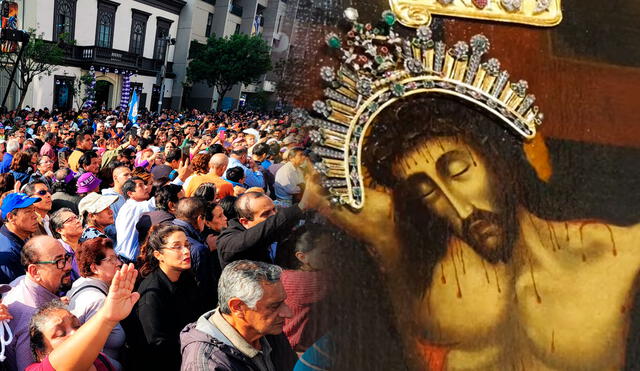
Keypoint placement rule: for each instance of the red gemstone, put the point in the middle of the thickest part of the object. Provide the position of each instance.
(480, 4)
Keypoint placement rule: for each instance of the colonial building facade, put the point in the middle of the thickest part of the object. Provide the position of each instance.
(201, 19)
(126, 43)
(123, 43)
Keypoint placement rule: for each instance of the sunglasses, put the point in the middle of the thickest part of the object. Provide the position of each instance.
(42, 192)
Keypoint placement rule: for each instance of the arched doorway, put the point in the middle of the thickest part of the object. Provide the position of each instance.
(104, 92)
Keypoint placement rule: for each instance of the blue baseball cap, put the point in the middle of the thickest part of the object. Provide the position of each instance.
(16, 201)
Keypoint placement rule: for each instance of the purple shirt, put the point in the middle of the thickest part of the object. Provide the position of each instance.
(23, 301)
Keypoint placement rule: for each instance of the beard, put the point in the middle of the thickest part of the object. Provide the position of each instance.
(490, 234)
(65, 282)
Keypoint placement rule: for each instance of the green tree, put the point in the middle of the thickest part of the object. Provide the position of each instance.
(83, 90)
(39, 57)
(224, 62)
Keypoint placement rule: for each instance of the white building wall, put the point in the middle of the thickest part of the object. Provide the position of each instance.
(38, 15)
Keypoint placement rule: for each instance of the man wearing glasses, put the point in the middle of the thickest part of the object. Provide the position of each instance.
(39, 189)
(19, 214)
(48, 268)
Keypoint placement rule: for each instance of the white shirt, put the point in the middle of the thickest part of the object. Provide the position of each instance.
(288, 179)
(126, 221)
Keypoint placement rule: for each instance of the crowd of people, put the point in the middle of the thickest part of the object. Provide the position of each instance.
(185, 240)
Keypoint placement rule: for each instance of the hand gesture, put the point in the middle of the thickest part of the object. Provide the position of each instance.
(185, 169)
(16, 186)
(4, 313)
(121, 299)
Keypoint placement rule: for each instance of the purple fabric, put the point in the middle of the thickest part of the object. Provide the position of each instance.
(23, 301)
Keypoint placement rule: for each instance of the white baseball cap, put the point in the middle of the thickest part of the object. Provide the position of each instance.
(95, 203)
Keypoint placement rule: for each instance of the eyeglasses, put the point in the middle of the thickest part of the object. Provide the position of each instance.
(113, 260)
(70, 219)
(60, 263)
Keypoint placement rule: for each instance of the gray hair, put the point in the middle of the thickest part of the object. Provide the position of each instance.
(13, 146)
(56, 221)
(242, 279)
(39, 319)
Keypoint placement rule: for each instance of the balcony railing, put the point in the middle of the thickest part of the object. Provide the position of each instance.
(236, 10)
(110, 57)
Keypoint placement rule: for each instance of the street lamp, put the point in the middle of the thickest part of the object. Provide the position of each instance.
(163, 70)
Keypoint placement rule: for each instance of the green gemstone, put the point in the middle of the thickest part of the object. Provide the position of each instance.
(379, 59)
(389, 18)
(334, 42)
(398, 89)
(359, 27)
(376, 31)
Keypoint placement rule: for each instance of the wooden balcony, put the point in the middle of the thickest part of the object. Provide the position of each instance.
(86, 56)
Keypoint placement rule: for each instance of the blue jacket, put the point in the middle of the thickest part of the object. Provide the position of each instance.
(200, 262)
(6, 163)
(10, 247)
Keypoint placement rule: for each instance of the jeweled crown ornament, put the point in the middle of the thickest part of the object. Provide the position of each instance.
(416, 13)
(378, 68)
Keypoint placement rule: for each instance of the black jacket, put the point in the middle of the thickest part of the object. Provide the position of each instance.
(153, 328)
(237, 243)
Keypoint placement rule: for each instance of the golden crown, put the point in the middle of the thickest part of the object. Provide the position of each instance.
(378, 68)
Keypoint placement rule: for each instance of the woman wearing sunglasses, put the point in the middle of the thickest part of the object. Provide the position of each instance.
(98, 264)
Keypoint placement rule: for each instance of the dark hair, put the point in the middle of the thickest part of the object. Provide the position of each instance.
(243, 202)
(228, 206)
(50, 136)
(85, 159)
(21, 162)
(167, 193)
(105, 174)
(38, 320)
(155, 242)
(7, 182)
(127, 152)
(174, 154)
(235, 174)
(30, 187)
(239, 151)
(189, 209)
(130, 186)
(400, 129)
(92, 252)
(61, 185)
(206, 191)
(261, 149)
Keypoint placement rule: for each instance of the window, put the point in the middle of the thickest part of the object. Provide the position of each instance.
(64, 20)
(162, 33)
(105, 23)
(138, 31)
(63, 92)
(207, 31)
(237, 30)
(279, 22)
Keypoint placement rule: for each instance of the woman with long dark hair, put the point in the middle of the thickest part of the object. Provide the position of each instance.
(169, 300)
(21, 167)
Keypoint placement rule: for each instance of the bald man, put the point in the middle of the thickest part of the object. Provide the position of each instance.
(217, 166)
(120, 175)
(48, 268)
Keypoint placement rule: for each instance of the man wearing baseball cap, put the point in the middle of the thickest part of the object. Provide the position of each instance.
(21, 222)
